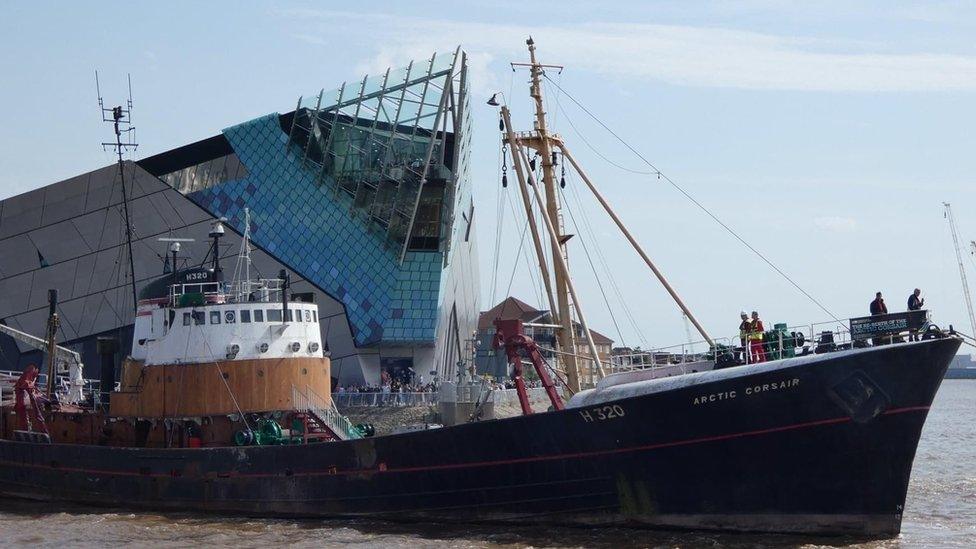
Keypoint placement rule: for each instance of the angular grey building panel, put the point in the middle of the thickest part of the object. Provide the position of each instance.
(364, 197)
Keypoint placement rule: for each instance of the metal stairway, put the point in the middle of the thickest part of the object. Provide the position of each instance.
(321, 418)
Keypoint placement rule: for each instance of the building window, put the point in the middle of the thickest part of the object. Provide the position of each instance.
(215, 317)
(245, 316)
(186, 319)
(470, 220)
(274, 315)
(258, 315)
(426, 234)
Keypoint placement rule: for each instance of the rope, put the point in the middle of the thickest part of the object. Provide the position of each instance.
(708, 212)
(606, 264)
(226, 385)
(499, 216)
(518, 255)
(589, 260)
(534, 277)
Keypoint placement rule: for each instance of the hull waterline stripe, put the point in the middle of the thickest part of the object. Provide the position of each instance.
(473, 464)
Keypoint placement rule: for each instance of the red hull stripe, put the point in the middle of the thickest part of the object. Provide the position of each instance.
(386, 469)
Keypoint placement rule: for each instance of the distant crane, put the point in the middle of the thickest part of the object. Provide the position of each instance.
(962, 268)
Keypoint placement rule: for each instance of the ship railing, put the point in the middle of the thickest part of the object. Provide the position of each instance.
(379, 399)
(263, 289)
(7, 382)
(210, 292)
(260, 290)
(8, 378)
(309, 401)
(817, 337)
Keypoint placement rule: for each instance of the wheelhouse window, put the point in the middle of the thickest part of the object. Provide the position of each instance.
(186, 319)
(215, 317)
(258, 315)
(199, 318)
(245, 316)
(298, 315)
(274, 315)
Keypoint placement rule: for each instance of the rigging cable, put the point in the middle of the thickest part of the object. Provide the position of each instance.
(708, 212)
(589, 260)
(499, 223)
(537, 283)
(604, 263)
(518, 256)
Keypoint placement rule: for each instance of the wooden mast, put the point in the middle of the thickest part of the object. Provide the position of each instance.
(543, 142)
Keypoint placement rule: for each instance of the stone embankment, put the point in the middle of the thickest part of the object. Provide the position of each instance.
(386, 419)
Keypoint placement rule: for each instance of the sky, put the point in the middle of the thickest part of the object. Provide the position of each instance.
(826, 134)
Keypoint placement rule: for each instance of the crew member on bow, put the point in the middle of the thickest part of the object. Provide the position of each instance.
(756, 352)
(745, 327)
(878, 306)
(915, 303)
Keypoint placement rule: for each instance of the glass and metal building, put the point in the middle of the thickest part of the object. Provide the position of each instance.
(362, 192)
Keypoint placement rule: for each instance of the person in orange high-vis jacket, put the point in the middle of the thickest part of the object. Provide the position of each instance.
(756, 352)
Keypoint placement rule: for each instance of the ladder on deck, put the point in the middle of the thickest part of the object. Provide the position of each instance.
(321, 418)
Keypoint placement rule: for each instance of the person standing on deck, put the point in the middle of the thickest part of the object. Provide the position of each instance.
(915, 303)
(756, 352)
(745, 327)
(878, 306)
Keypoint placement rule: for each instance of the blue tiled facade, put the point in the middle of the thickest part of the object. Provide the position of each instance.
(309, 228)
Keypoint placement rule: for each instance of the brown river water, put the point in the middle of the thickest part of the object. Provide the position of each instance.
(940, 512)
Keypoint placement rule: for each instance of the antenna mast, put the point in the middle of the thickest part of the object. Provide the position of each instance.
(242, 270)
(121, 119)
(543, 143)
(962, 268)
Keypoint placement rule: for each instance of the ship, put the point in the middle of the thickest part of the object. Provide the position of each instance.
(962, 367)
(224, 406)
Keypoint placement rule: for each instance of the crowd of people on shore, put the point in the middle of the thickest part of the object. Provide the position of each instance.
(399, 387)
(509, 384)
(387, 388)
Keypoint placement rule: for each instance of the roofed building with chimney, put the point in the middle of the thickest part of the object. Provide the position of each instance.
(491, 362)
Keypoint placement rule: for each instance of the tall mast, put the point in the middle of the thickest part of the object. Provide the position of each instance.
(122, 123)
(962, 268)
(544, 144)
(567, 337)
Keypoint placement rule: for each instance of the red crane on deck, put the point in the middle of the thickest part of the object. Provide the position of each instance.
(511, 335)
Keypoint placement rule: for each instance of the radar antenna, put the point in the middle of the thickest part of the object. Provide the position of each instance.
(121, 118)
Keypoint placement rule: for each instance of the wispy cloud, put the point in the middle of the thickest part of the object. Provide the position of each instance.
(836, 224)
(676, 54)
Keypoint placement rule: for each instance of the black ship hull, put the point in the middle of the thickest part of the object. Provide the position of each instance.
(818, 445)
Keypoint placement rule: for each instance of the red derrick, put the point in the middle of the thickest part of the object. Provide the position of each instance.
(511, 335)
